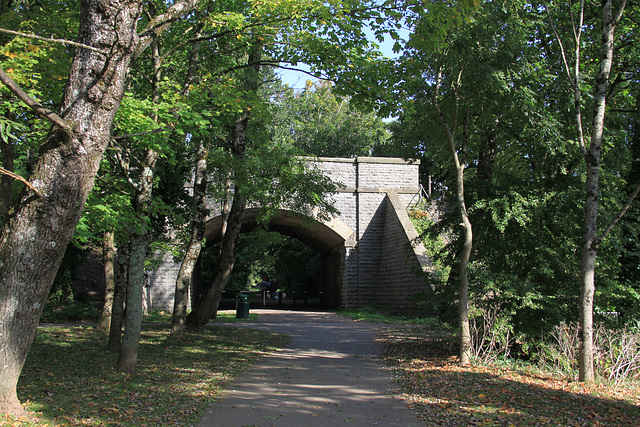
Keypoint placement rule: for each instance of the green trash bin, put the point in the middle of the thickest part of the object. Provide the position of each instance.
(242, 307)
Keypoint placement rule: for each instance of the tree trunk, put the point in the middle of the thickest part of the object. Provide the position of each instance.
(184, 281)
(590, 239)
(467, 232)
(199, 290)
(108, 257)
(33, 241)
(185, 276)
(228, 250)
(225, 207)
(128, 358)
(140, 239)
(463, 268)
(226, 262)
(119, 297)
(6, 182)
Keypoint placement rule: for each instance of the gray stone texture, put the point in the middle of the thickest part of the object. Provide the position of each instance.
(405, 266)
(381, 262)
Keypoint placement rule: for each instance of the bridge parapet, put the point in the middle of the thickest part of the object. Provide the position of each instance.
(371, 174)
(360, 175)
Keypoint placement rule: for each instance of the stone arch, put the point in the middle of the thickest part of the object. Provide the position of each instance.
(330, 239)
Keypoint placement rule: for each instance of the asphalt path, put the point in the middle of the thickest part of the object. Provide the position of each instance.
(330, 374)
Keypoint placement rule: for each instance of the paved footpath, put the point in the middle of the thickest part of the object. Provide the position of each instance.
(329, 375)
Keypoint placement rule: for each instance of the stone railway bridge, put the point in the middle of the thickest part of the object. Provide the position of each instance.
(370, 252)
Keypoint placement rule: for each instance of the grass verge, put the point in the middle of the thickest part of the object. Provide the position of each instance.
(444, 393)
(163, 316)
(69, 377)
(375, 315)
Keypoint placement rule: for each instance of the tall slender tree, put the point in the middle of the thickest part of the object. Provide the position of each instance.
(591, 148)
(466, 237)
(185, 275)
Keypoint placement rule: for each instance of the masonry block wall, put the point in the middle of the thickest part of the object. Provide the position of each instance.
(361, 202)
(404, 270)
(160, 288)
(370, 262)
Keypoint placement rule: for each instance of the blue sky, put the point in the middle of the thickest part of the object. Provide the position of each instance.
(298, 79)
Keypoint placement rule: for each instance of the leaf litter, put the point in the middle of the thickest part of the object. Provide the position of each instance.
(445, 393)
(69, 378)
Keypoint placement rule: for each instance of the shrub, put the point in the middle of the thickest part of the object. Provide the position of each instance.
(616, 352)
(491, 334)
(70, 312)
(62, 288)
(559, 353)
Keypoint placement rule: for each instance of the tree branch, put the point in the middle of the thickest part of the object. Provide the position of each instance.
(21, 179)
(33, 104)
(618, 13)
(565, 62)
(124, 165)
(161, 22)
(130, 135)
(577, 97)
(618, 216)
(574, 80)
(62, 41)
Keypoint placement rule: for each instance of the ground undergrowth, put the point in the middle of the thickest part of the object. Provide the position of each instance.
(444, 393)
(69, 378)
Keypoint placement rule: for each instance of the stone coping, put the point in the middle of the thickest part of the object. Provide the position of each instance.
(379, 160)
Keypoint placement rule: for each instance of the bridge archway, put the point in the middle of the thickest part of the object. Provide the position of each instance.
(329, 239)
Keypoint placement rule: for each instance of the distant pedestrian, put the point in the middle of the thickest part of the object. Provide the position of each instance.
(263, 285)
(273, 289)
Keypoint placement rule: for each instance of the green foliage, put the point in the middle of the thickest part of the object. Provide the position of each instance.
(70, 312)
(433, 240)
(61, 305)
(62, 289)
(40, 69)
(261, 253)
(328, 36)
(492, 336)
(7, 128)
(319, 123)
(298, 268)
(524, 180)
